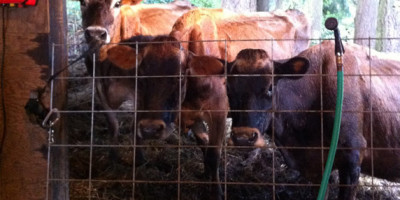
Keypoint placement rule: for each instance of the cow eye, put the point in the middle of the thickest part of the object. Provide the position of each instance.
(268, 92)
(117, 4)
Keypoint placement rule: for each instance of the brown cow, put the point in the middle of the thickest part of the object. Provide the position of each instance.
(171, 79)
(106, 21)
(112, 92)
(298, 111)
(281, 34)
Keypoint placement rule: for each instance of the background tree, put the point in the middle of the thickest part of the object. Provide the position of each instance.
(240, 5)
(389, 26)
(262, 5)
(198, 3)
(357, 18)
(311, 8)
(342, 10)
(365, 22)
(314, 10)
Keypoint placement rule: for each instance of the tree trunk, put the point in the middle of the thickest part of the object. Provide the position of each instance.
(263, 5)
(240, 5)
(313, 10)
(365, 22)
(388, 26)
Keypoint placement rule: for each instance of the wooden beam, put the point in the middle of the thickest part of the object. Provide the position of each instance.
(23, 162)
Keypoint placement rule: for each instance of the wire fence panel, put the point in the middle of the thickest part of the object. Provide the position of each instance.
(102, 165)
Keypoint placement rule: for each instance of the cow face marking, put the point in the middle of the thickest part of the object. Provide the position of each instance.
(116, 4)
(98, 18)
(251, 91)
(161, 82)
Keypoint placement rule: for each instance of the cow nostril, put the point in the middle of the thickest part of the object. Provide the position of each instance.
(160, 128)
(253, 137)
(147, 129)
(87, 35)
(233, 137)
(103, 35)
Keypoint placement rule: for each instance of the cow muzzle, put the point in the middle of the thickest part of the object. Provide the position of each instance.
(97, 34)
(245, 136)
(152, 129)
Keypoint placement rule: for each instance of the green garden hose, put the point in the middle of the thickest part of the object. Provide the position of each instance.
(331, 24)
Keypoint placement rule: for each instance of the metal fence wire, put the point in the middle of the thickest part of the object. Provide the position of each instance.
(96, 166)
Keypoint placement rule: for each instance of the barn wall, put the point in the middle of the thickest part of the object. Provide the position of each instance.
(23, 164)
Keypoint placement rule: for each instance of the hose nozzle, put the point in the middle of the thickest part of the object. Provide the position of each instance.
(332, 24)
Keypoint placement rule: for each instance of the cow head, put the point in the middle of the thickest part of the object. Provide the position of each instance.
(252, 82)
(161, 84)
(99, 16)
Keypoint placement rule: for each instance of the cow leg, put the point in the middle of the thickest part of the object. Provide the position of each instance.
(211, 163)
(107, 104)
(200, 131)
(113, 126)
(349, 173)
(212, 154)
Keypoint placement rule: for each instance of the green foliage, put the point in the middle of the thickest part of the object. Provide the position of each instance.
(74, 16)
(344, 11)
(157, 1)
(274, 5)
(198, 3)
(336, 8)
(207, 3)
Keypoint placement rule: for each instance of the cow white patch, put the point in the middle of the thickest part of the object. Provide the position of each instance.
(114, 4)
(99, 28)
(115, 8)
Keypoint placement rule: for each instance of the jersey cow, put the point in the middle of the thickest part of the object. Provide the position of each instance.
(294, 103)
(281, 34)
(172, 81)
(106, 21)
(112, 92)
(112, 21)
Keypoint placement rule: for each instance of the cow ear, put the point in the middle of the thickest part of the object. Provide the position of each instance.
(296, 65)
(131, 2)
(123, 56)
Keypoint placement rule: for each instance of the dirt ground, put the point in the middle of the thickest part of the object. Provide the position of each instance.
(248, 173)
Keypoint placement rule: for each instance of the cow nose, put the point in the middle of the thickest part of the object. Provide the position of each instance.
(98, 34)
(245, 136)
(151, 129)
(244, 140)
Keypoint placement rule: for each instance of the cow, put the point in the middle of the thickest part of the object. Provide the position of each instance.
(110, 21)
(281, 34)
(173, 82)
(113, 21)
(293, 100)
(112, 92)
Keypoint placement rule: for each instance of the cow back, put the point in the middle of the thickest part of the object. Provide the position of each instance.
(275, 32)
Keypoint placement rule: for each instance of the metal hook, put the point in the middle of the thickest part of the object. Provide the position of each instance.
(46, 122)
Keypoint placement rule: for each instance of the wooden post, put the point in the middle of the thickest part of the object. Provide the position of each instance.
(28, 35)
(58, 156)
